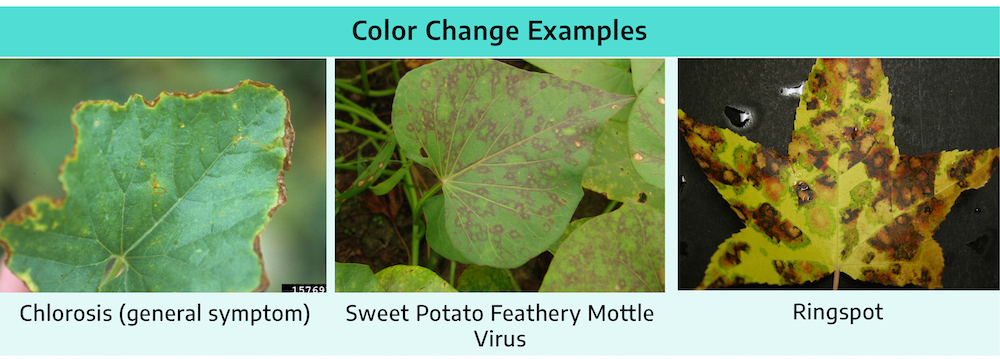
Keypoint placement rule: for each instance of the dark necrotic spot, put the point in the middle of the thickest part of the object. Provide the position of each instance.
(423, 153)
(849, 215)
(812, 104)
(787, 270)
(767, 219)
(732, 256)
(961, 169)
(868, 258)
(899, 240)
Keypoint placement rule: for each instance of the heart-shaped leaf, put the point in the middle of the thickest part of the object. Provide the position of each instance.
(509, 147)
(168, 195)
(621, 251)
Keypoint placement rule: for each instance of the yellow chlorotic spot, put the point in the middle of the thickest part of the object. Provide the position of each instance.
(361, 183)
(577, 143)
(371, 178)
(142, 163)
(183, 125)
(637, 156)
(380, 165)
(97, 123)
(235, 107)
(662, 101)
(614, 107)
(222, 213)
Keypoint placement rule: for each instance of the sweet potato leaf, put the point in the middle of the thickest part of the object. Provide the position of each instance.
(621, 251)
(486, 279)
(168, 195)
(646, 126)
(355, 277)
(509, 147)
(611, 75)
(643, 70)
(404, 278)
(844, 200)
(569, 230)
(612, 173)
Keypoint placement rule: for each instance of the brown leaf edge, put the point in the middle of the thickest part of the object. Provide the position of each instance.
(27, 210)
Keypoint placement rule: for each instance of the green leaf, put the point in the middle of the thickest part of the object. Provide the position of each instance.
(611, 75)
(391, 182)
(621, 251)
(486, 279)
(169, 195)
(509, 147)
(373, 171)
(643, 70)
(404, 278)
(569, 230)
(611, 171)
(354, 277)
(437, 233)
(646, 129)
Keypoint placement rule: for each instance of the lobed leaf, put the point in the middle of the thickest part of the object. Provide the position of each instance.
(168, 195)
(844, 200)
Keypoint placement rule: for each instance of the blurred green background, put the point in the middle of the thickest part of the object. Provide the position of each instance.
(37, 97)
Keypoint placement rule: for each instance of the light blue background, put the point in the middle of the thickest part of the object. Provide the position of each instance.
(686, 322)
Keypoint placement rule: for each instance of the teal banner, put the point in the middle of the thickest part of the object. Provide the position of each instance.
(499, 32)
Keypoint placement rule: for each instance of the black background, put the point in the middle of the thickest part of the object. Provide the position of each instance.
(938, 105)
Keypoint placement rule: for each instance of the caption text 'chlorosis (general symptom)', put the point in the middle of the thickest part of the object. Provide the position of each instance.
(132, 316)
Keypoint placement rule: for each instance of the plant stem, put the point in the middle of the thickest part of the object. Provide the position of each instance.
(836, 279)
(341, 84)
(370, 71)
(359, 130)
(345, 100)
(343, 158)
(611, 206)
(364, 76)
(368, 115)
(419, 208)
(395, 70)
(411, 197)
(451, 277)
